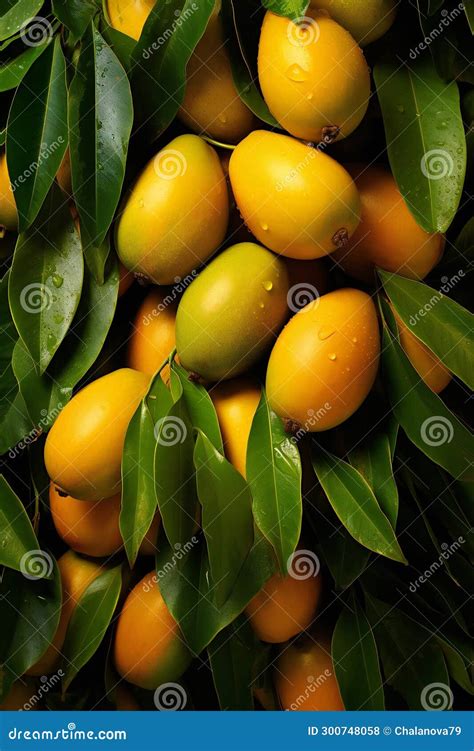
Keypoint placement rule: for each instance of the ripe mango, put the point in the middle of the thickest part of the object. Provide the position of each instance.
(313, 76)
(153, 335)
(211, 103)
(388, 235)
(176, 214)
(366, 20)
(129, 16)
(236, 402)
(294, 199)
(230, 314)
(8, 211)
(83, 450)
(305, 678)
(324, 362)
(149, 647)
(429, 367)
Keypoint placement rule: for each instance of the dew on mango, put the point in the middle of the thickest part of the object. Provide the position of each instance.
(296, 73)
(267, 285)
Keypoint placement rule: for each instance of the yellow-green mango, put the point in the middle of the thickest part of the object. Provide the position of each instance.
(176, 214)
(230, 314)
(366, 20)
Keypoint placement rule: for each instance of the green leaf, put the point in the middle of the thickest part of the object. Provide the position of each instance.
(76, 14)
(121, 44)
(469, 11)
(13, 72)
(373, 459)
(356, 506)
(425, 139)
(293, 9)
(440, 323)
(89, 622)
(175, 482)
(37, 133)
(354, 653)
(159, 60)
(274, 476)
(46, 280)
(17, 15)
(198, 404)
(8, 338)
(100, 122)
(422, 414)
(232, 655)
(227, 520)
(19, 548)
(29, 613)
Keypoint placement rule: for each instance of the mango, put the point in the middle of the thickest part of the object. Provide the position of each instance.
(176, 214)
(313, 76)
(129, 16)
(366, 20)
(429, 367)
(284, 607)
(83, 450)
(23, 695)
(388, 235)
(63, 175)
(8, 211)
(305, 678)
(293, 198)
(149, 648)
(325, 361)
(229, 316)
(153, 335)
(211, 103)
(236, 402)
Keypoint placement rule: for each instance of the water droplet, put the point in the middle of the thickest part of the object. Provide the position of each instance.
(51, 341)
(309, 96)
(267, 286)
(264, 226)
(141, 203)
(222, 118)
(332, 356)
(325, 333)
(296, 73)
(57, 280)
(354, 339)
(261, 305)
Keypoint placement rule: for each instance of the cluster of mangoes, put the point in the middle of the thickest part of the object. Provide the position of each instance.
(289, 204)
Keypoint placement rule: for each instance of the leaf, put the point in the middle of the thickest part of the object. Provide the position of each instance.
(425, 139)
(13, 71)
(440, 323)
(354, 653)
(293, 9)
(274, 476)
(198, 404)
(89, 622)
(8, 338)
(232, 656)
(373, 459)
(469, 11)
(100, 122)
(356, 506)
(121, 44)
(19, 13)
(37, 133)
(159, 60)
(227, 520)
(422, 414)
(18, 542)
(76, 14)
(175, 483)
(29, 612)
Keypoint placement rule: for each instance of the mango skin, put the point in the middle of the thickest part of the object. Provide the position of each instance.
(325, 361)
(293, 198)
(231, 313)
(176, 214)
(365, 20)
(236, 402)
(154, 334)
(305, 679)
(211, 103)
(429, 367)
(149, 649)
(284, 607)
(83, 450)
(129, 16)
(388, 235)
(76, 575)
(8, 211)
(313, 76)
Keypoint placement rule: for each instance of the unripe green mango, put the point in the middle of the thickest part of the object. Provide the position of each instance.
(232, 312)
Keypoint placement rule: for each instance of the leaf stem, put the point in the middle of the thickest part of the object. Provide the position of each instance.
(221, 145)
